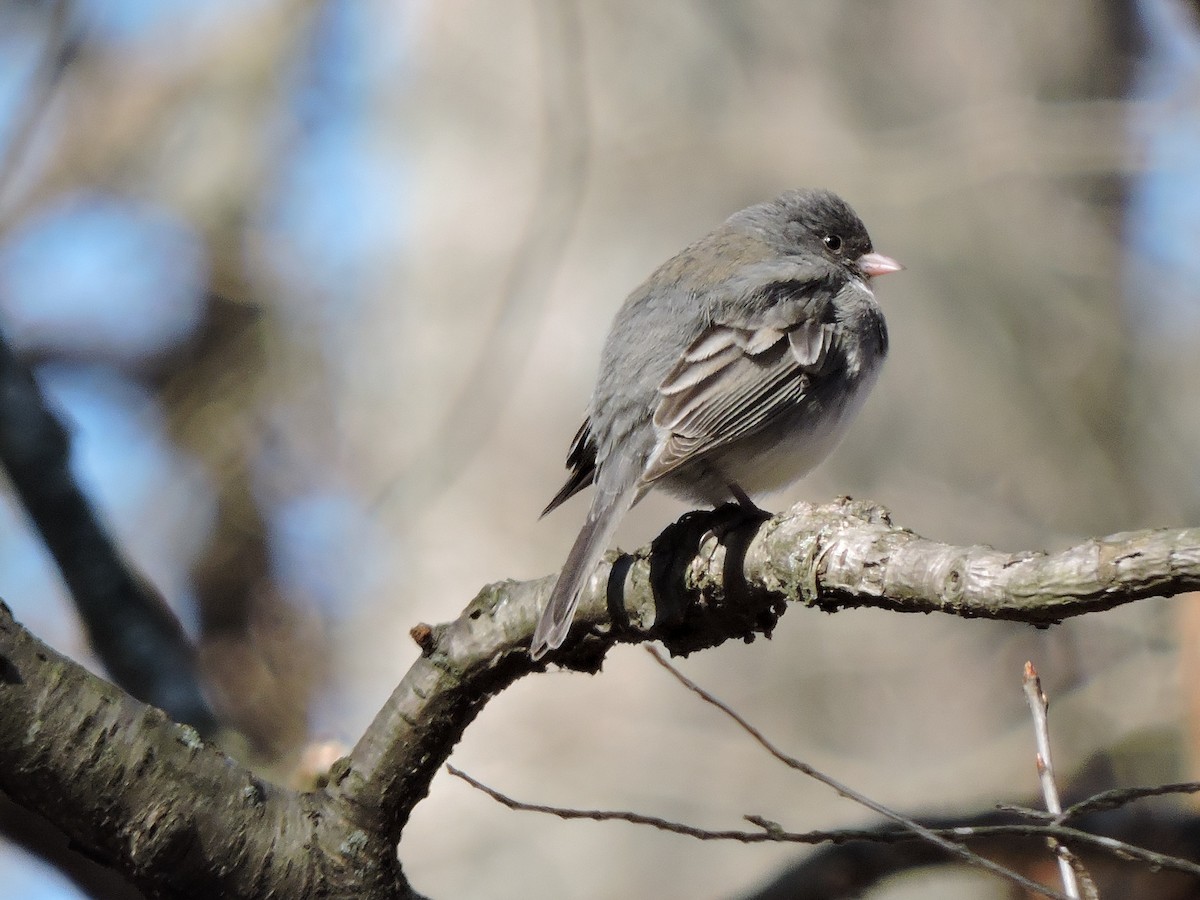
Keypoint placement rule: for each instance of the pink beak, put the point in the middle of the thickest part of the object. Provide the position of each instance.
(872, 264)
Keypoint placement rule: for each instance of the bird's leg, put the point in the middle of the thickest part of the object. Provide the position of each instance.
(729, 516)
(748, 506)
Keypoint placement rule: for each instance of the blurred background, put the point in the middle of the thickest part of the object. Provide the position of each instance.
(320, 289)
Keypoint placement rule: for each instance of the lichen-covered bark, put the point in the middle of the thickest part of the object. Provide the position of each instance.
(862, 559)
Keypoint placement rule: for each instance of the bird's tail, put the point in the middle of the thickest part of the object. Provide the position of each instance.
(607, 511)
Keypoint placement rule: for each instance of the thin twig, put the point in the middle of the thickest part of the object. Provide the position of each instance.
(1117, 848)
(1038, 707)
(765, 836)
(1118, 797)
(951, 847)
(772, 833)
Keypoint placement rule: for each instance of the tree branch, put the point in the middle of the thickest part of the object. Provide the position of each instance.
(175, 816)
(842, 554)
(130, 626)
(189, 820)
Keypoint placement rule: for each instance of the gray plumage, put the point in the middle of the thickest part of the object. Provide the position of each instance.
(731, 371)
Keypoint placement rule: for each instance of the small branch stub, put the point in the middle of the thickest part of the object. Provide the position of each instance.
(422, 635)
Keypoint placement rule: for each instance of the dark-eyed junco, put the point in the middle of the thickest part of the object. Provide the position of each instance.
(731, 371)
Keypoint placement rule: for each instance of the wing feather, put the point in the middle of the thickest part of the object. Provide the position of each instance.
(731, 382)
(581, 462)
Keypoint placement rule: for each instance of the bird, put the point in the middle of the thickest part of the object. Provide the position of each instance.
(730, 372)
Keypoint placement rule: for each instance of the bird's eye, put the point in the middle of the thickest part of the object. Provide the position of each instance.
(833, 242)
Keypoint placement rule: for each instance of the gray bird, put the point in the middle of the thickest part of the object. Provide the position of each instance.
(732, 371)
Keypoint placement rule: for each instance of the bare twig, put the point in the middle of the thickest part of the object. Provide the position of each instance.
(951, 847)
(772, 833)
(1068, 865)
(1118, 797)
(765, 836)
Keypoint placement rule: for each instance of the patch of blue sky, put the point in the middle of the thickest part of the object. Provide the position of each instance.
(338, 207)
(335, 78)
(159, 501)
(339, 196)
(27, 877)
(327, 547)
(20, 51)
(134, 21)
(30, 582)
(1162, 227)
(98, 275)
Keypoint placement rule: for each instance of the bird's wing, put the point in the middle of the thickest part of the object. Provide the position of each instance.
(581, 461)
(732, 381)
